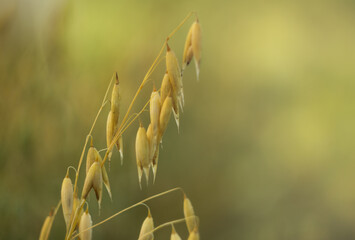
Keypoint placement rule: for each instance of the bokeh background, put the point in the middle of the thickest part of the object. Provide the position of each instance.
(266, 145)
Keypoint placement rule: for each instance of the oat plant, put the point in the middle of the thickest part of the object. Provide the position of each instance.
(163, 102)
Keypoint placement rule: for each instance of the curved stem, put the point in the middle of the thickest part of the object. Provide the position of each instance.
(130, 207)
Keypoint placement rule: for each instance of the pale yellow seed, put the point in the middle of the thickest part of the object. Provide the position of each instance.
(67, 199)
(175, 108)
(105, 178)
(85, 222)
(174, 235)
(90, 158)
(93, 180)
(115, 98)
(186, 57)
(155, 163)
(194, 235)
(154, 116)
(151, 141)
(76, 205)
(112, 121)
(165, 115)
(174, 73)
(165, 88)
(189, 214)
(119, 145)
(46, 227)
(196, 45)
(147, 226)
(142, 153)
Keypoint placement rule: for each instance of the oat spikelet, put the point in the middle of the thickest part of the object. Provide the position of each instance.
(174, 235)
(119, 145)
(93, 180)
(196, 45)
(85, 222)
(67, 199)
(174, 73)
(165, 88)
(187, 56)
(115, 98)
(76, 205)
(46, 227)
(175, 108)
(154, 117)
(112, 120)
(189, 214)
(147, 226)
(165, 114)
(155, 163)
(105, 178)
(142, 154)
(194, 235)
(90, 157)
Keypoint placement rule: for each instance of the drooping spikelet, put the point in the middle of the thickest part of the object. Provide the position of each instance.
(175, 108)
(165, 114)
(119, 145)
(196, 45)
(46, 227)
(67, 199)
(111, 124)
(142, 154)
(187, 56)
(165, 88)
(147, 226)
(115, 98)
(90, 157)
(174, 235)
(105, 178)
(194, 235)
(154, 111)
(93, 180)
(189, 214)
(85, 223)
(76, 206)
(174, 72)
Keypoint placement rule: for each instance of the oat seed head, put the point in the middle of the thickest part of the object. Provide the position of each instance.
(85, 222)
(67, 199)
(147, 226)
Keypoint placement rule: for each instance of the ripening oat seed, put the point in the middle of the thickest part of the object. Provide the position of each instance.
(154, 117)
(90, 157)
(174, 72)
(187, 55)
(142, 154)
(67, 199)
(165, 88)
(46, 227)
(165, 114)
(174, 235)
(105, 178)
(147, 226)
(196, 45)
(189, 214)
(93, 180)
(194, 235)
(85, 222)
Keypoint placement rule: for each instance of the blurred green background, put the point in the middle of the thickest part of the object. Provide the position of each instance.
(266, 144)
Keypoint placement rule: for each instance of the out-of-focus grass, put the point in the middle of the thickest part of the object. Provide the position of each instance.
(265, 149)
